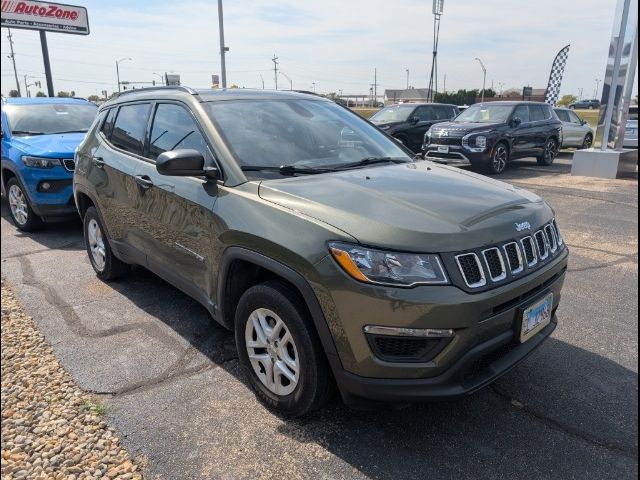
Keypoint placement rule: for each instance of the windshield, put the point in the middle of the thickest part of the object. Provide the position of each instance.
(395, 113)
(44, 119)
(298, 133)
(483, 113)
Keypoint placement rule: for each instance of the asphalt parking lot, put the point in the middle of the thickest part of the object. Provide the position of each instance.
(176, 395)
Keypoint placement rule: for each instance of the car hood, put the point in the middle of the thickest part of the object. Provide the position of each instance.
(459, 129)
(58, 145)
(417, 206)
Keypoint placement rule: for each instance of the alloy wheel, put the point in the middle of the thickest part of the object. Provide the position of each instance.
(18, 205)
(550, 151)
(272, 351)
(96, 244)
(588, 141)
(500, 157)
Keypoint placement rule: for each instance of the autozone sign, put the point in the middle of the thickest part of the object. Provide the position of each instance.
(53, 17)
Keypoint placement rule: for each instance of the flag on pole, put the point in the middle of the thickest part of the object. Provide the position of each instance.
(555, 77)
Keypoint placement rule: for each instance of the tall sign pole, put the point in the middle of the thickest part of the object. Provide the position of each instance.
(45, 17)
(223, 49)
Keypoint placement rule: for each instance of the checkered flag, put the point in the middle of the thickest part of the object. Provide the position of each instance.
(555, 77)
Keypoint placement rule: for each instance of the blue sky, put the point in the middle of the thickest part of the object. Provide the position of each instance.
(334, 43)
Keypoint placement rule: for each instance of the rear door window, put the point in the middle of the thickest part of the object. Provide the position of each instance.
(536, 113)
(444, 112)
(563, 115)
(174, 128)
(130, 127)
(424, 114)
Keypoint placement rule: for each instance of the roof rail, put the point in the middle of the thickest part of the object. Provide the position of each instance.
(307, 92)
(164, 87)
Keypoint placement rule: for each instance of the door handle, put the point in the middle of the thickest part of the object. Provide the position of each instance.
(144, 181)
(98, 162)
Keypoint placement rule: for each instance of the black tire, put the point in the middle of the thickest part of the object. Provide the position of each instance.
(549, 153)
(112, 268)
(26, 220)
(315, 384)
(499, 159)
(587, 142)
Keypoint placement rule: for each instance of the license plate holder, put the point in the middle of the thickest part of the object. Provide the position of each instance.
(536, 317)
(443, 148)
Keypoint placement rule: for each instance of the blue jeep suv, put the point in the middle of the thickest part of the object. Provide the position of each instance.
(39, 139)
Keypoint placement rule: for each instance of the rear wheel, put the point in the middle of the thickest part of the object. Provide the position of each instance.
(102, 259)
(22, 214)
(588, 141)
(278, 346)
(549, 153)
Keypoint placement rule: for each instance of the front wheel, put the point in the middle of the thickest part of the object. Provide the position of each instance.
(22, 214)
(499, 159)
(549, 153)
(588, 141)
(278, 346)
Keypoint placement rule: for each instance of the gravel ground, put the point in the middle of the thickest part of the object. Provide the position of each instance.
(50, 428)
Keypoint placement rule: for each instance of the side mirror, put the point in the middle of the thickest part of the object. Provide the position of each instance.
(583, 121)
(184, 163)
(413, 120)
(516, 121)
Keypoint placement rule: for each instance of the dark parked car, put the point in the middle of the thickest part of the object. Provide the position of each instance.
(408, 122)
(334, 256)
(585, 105)
(489, 135)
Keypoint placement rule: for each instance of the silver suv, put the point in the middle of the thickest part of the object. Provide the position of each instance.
(576, 132)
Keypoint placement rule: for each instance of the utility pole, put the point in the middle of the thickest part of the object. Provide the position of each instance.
(595, 93)
(313, 85)
(374, 85)
(444, 86)
(262, 80)
(13, 59)
(275, 69)
(223, 49)
(407, 70)
(484, 77)
(580, 90)
(438, 6)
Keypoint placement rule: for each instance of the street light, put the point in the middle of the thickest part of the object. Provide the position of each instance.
(287, 77)
(161, 78)
(118, 69)
(27, 85)
(484, 77)
(595, 94)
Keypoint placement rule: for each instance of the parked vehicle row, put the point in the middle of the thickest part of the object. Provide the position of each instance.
(336, 258)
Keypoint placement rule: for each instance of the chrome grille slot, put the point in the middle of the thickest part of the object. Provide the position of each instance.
(558, 234)
(514, 258)
(69, 164)
(471, 270)
(551, 236)
(495, 264)
(529, 251)
(542, 243)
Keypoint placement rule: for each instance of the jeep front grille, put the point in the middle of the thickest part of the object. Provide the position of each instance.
(69, 164)
(498, 263)
(471, 270)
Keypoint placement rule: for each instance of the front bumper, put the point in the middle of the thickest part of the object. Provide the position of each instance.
(457, 156)
(485, 326)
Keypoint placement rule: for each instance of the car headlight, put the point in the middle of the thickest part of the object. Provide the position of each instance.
(427, 137)
(388, 268)
(40, 162)
(475, 142)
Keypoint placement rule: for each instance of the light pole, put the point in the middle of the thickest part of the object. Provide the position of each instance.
(580, 90)
(407, 70)
(161, 78)
(287, 77)
(501, 87)
(595, 93)
(27, 85)
(438, 7)
(118, 69)
(223, 49)
(484, 77)
(313, 85)
(262, 79)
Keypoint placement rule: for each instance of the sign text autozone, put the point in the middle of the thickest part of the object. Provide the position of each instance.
(53, 17)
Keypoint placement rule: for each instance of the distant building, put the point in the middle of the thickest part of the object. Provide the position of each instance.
(537, 95)
(410, 95)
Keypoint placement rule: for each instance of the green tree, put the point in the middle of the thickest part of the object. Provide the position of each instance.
(40, 94)
(93, 98)
(567, 100)
(14, 93)
(63, 94)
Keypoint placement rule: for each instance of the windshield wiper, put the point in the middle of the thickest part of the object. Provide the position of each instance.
(286, 169)
(69, 131)
(26, 132)
(371, 161)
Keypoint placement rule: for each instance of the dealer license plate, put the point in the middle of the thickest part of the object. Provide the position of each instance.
(536, 317)
(443, 148)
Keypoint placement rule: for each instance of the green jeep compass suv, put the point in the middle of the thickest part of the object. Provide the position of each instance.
(336, 258)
